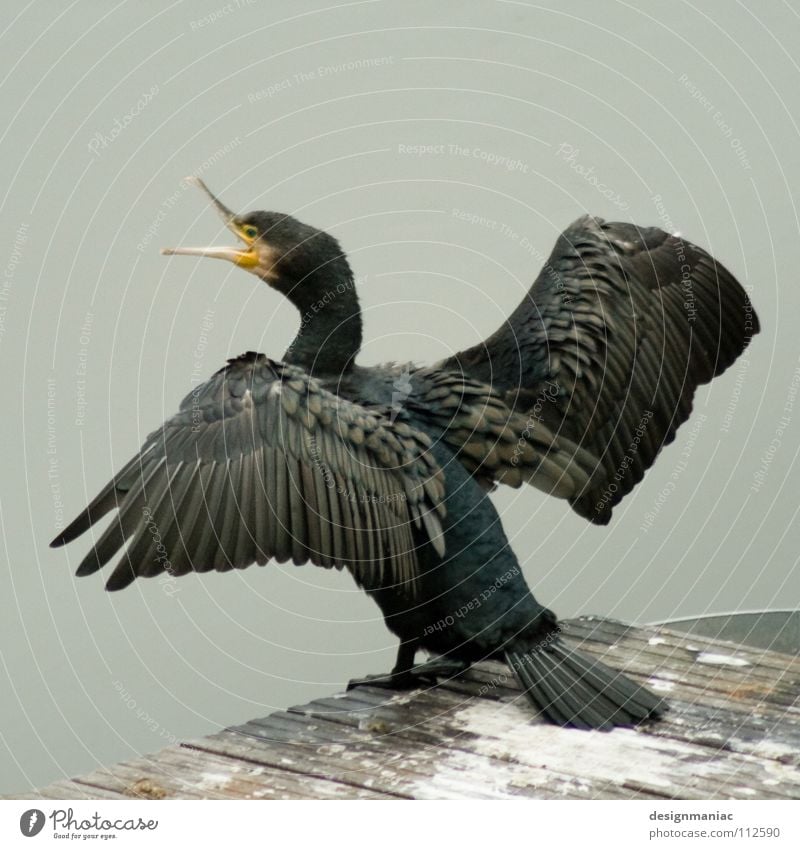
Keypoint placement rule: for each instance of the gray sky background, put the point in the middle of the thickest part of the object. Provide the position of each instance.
(680, 114)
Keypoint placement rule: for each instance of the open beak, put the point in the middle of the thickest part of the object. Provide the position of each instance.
(247, 257)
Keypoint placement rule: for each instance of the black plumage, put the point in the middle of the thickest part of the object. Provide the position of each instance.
(618, 331)
(385, 471)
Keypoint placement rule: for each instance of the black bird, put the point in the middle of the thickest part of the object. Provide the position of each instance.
(385, 470)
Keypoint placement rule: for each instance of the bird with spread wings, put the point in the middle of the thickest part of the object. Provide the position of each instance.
(316, 458)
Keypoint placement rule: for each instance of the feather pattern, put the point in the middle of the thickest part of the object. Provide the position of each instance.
(608, 348)
(249, 470)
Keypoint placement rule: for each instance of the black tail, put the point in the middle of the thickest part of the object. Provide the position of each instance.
(573, 689)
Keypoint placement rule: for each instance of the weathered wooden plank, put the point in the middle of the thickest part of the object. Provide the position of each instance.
(608, 632)
(733, 732)
(150, 777)
(430, 722)
(733, 768)
(422, 749)
(726, 678)
(70, 789)
(704, 663)
(178, 772)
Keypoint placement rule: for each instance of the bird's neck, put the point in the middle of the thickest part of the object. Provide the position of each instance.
(330, 324)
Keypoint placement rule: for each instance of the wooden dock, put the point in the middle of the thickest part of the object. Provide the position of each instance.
(733, 733)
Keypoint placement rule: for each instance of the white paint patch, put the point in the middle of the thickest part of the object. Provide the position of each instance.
(666, 675)
(656, 641)
(464, 775)
(661, 686)
(209, 780)
(509, 750)
(775, 751)
(721, 659)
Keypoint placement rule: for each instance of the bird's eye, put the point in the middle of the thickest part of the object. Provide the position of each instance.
(250, 231)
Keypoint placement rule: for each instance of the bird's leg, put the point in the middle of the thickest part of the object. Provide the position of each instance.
(401, 677)
(440, 667)
(406, 676)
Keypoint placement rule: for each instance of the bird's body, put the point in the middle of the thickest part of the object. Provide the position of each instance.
(386, 470)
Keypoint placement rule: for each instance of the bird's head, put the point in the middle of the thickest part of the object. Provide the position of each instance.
(290, 256)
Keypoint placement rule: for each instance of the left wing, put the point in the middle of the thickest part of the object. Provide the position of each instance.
(261, 462)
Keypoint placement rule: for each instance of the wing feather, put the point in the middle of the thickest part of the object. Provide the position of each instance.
(626, 323)
(262, 462)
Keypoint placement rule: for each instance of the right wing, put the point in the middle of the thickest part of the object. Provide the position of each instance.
(497, 444)
(261, 462)
(619, 329)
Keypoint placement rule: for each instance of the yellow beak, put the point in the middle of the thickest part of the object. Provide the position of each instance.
(246, 258)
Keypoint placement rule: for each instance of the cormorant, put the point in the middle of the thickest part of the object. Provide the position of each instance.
(385, 471)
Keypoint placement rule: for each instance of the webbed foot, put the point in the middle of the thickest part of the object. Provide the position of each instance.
(423, 674)
(388, 680)
(440, 667)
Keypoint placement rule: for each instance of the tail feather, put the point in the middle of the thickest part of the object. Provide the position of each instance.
(611, 682)
(593, 700)
(548, 692)
(566, 702)
(575, 690)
